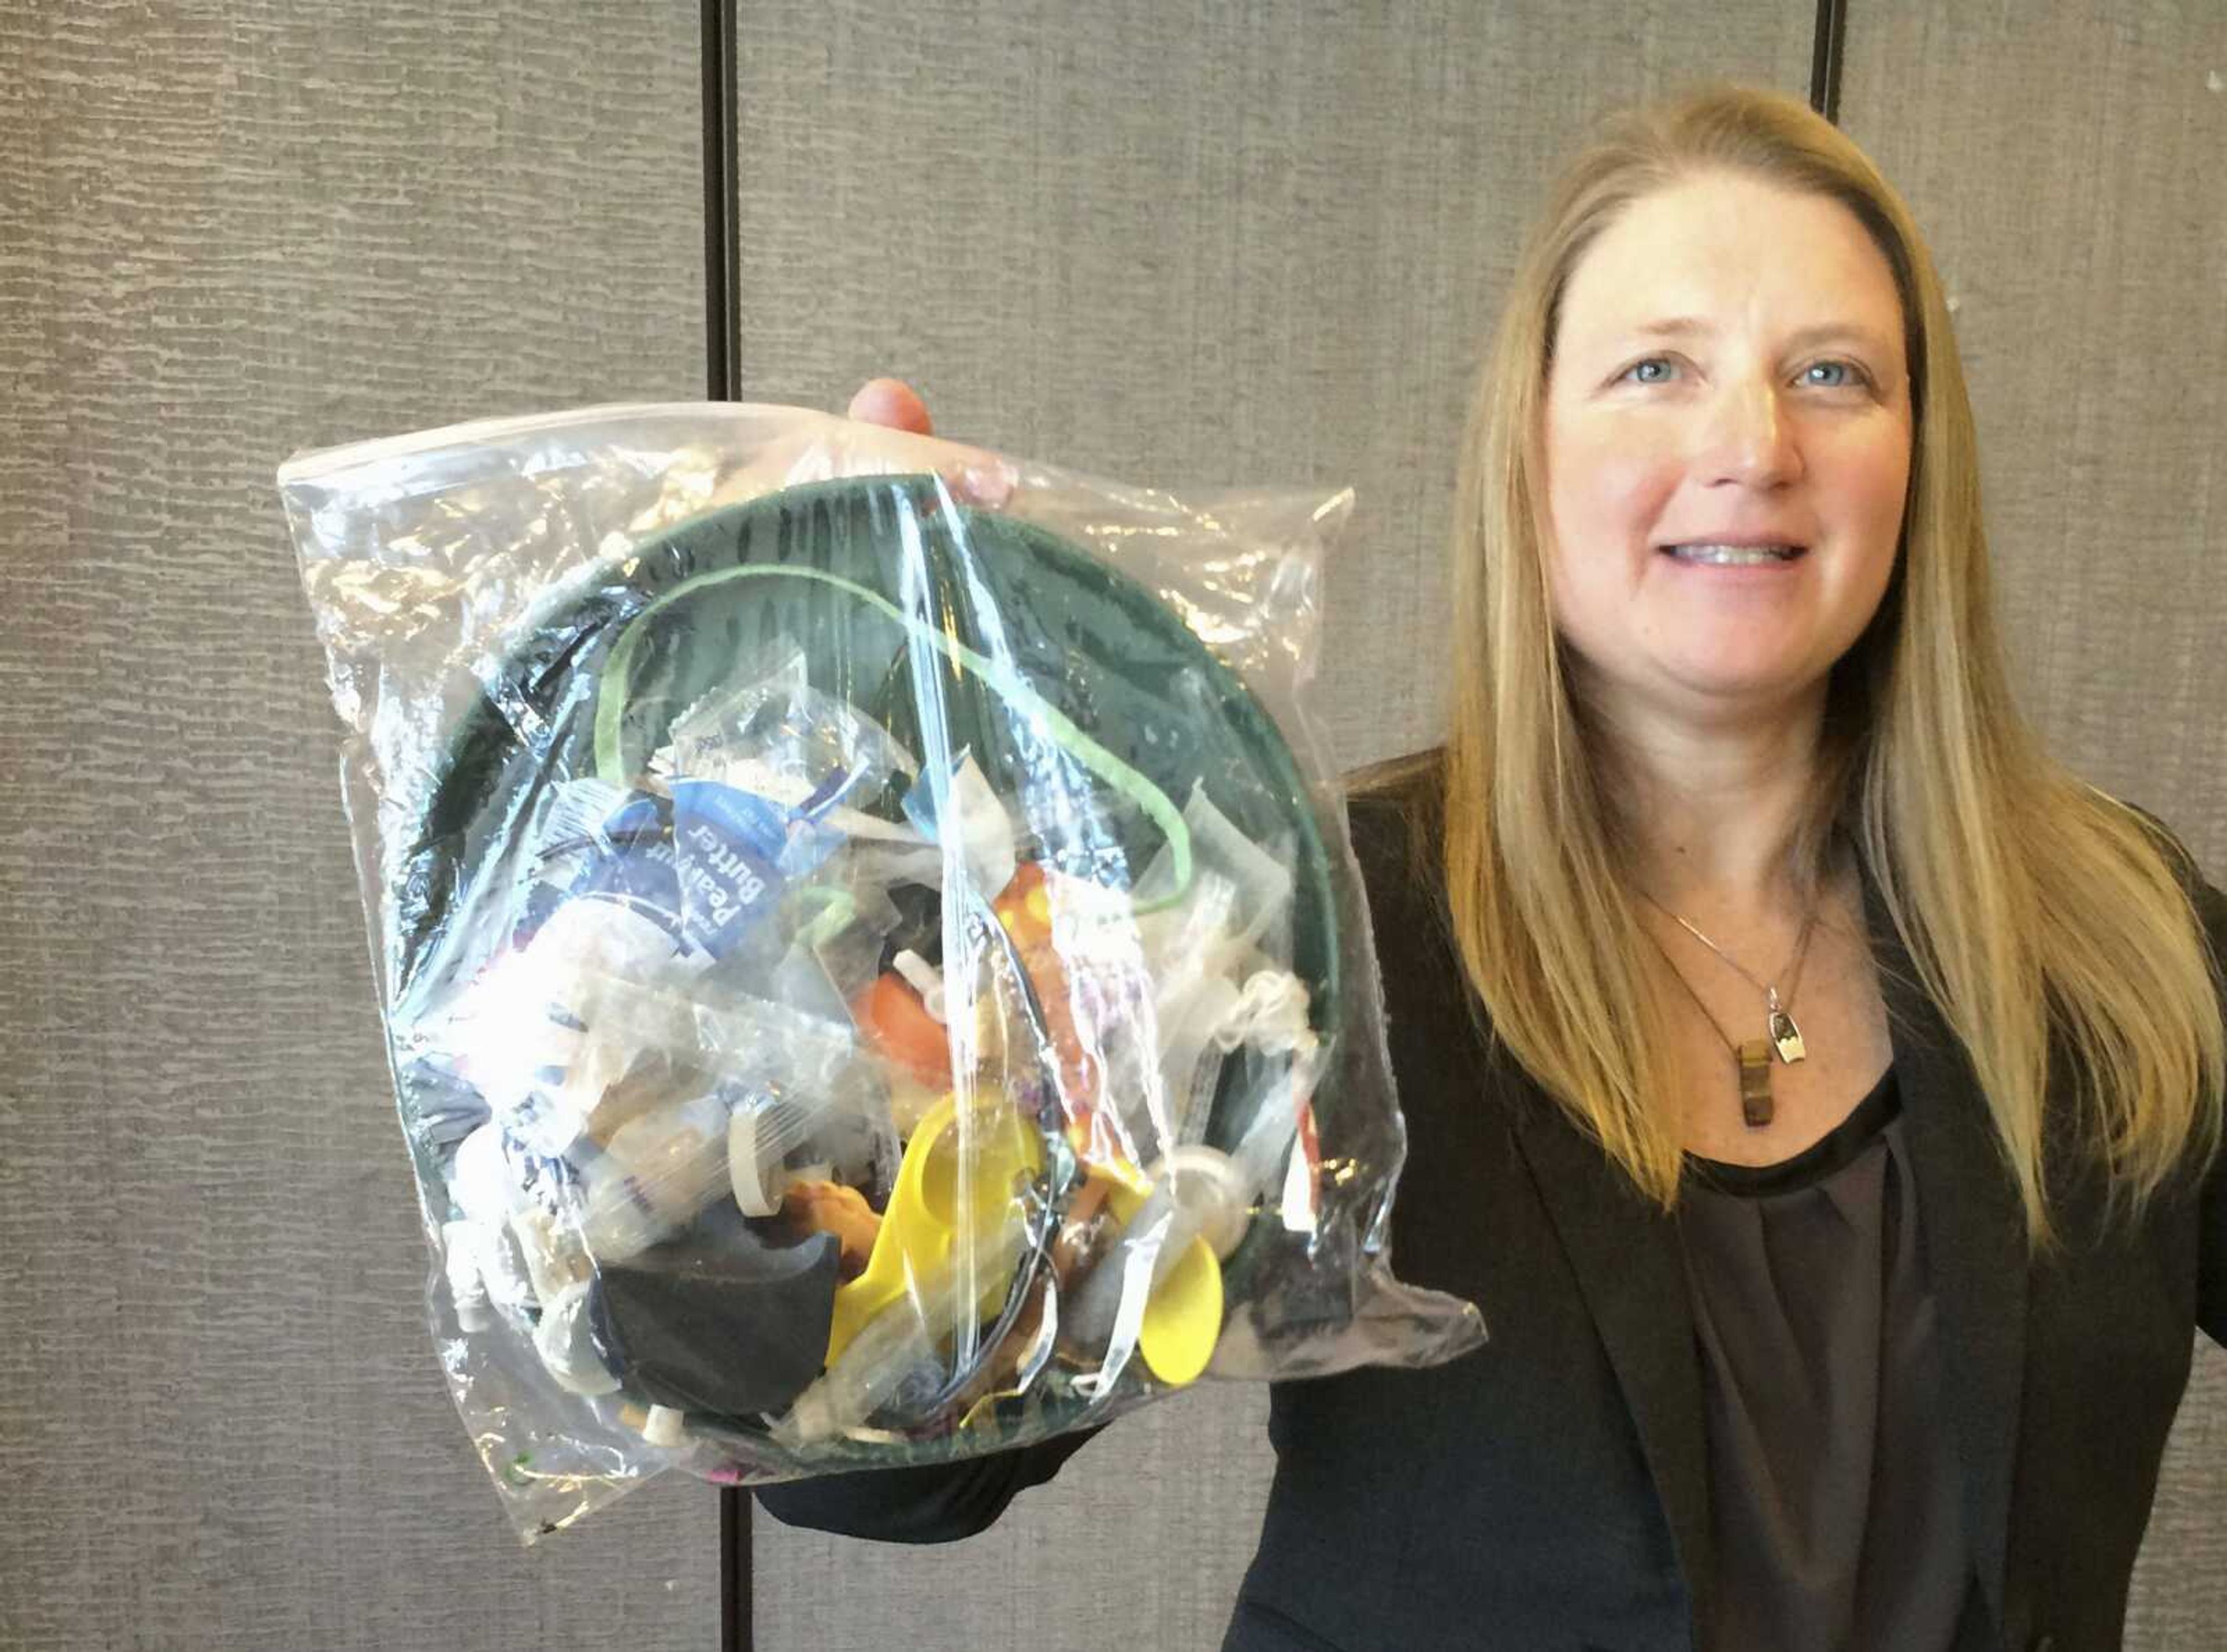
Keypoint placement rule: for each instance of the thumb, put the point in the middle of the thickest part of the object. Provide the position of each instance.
(894, 403)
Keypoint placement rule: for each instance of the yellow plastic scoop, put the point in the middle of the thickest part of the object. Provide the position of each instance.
(1183, 1317)
(920, 1231)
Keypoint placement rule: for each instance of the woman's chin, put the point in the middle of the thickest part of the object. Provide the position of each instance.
(1724, 693)
(1731, 692)
(1736, 681)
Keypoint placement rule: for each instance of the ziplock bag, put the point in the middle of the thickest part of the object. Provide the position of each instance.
(871, 963)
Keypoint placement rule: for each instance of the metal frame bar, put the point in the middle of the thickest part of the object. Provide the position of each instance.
(1828, 45)
(723, 244)
(723, 381)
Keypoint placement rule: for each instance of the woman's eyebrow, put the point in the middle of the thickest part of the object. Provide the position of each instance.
(1800, 338)
(1837, 333)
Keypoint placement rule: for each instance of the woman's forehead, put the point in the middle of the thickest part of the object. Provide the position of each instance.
(1723, 252)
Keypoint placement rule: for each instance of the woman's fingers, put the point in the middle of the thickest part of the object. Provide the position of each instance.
(894, 403)
(974, 476)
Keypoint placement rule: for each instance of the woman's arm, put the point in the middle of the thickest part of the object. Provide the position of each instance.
(2212, 1207)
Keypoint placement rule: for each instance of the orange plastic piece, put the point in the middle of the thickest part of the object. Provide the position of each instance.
(832, 1207)
(896, 1024)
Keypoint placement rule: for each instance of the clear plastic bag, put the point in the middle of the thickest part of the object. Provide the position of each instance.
(871, 961)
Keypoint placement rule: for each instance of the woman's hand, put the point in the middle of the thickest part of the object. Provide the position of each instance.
(976, 477)
(894, 403)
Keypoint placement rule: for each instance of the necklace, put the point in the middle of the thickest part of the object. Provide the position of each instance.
(1752, 1056)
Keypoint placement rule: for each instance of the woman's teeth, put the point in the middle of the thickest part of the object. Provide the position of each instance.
(1735, 556)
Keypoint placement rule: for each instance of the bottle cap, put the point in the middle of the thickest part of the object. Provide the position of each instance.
(757, 1184)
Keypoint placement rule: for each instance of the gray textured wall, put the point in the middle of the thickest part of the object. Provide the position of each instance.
(225, 233)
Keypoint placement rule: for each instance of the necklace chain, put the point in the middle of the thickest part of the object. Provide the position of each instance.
(1751, 1058)
(1730, 1042)
(1800, 951)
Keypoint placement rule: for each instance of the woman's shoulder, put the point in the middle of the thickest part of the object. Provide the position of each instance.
(1395, 815)
(2210, 903)
(1393, 812)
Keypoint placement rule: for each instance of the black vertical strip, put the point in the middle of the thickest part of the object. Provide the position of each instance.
(723, 245)
(1827, 46)
(723, 381)
(736, 1607)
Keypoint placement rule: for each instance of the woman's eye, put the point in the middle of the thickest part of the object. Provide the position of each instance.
(1830, 375)
(1653, 370)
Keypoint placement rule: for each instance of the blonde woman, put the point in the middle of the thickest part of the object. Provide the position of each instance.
(1814, 1084)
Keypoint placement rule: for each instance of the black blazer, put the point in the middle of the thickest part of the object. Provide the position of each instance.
(1549, 1491)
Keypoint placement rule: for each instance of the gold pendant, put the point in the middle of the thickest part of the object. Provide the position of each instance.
(1755, 1082)
(1784, 1033)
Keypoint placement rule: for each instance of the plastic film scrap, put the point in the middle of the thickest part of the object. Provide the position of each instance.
(872, 966)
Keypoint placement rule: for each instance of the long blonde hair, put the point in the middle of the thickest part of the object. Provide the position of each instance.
(2033, 907)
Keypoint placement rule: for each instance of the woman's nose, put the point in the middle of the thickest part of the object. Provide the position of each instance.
(1750, 440)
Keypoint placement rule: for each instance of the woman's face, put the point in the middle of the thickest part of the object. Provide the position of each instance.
(1727, 444)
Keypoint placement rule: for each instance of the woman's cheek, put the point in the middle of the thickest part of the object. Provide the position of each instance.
(1871, 473)
(1618, 495)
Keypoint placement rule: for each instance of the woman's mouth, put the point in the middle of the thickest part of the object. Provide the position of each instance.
(1733, 556)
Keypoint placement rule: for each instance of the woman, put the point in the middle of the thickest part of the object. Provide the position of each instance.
(1812, 1083)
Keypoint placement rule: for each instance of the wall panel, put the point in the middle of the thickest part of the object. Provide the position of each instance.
(2066, 162)
(1249, 243)
(227, 232)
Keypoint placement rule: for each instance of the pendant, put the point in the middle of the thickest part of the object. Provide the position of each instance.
(1784, 1032)
(1754, 1084)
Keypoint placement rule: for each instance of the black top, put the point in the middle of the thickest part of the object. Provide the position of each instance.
(1832, 1494)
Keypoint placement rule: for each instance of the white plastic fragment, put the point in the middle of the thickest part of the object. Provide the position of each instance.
(923, 978)
(985, 837)
(567, 1346)
(466, 1288)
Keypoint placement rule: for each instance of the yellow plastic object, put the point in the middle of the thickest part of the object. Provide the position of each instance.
(920, 1230)
(1183, 1321)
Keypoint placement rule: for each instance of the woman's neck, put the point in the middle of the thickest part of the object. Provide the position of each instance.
(1710, 813)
